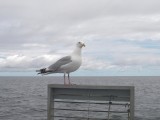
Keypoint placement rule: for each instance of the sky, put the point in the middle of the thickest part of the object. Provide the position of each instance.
(122, 37)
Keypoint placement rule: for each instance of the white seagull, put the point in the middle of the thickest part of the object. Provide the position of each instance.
(66, 64)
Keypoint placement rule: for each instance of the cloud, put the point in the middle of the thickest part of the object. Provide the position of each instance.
(123, 53)
(138, 60)
(93, 64)
(19, 62)
(117, 33)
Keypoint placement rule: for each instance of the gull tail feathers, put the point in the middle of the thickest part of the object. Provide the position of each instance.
(41, 71)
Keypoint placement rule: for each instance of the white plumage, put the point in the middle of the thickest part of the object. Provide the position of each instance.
(66, 64)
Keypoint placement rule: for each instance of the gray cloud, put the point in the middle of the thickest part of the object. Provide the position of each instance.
(32, 29)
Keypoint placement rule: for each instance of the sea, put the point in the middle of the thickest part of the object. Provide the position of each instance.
(25, 98)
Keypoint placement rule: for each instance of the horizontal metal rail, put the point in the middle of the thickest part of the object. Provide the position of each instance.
(83, 95)
(90, 110)
(74, 117)
(100, 103)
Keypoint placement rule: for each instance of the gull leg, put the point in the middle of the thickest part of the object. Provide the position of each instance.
(69, 79)
(64, 78)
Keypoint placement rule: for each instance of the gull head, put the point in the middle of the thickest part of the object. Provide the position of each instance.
(80, 44)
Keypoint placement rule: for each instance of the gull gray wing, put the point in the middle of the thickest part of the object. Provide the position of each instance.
(59, 63)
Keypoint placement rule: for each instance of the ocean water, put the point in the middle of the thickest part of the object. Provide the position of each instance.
(25, 98)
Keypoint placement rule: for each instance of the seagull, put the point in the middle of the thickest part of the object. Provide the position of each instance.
(66, 64)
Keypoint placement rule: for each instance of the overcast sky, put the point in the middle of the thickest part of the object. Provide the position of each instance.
(122, 36)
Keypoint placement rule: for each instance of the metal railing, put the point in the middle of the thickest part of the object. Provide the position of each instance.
(90, 102)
